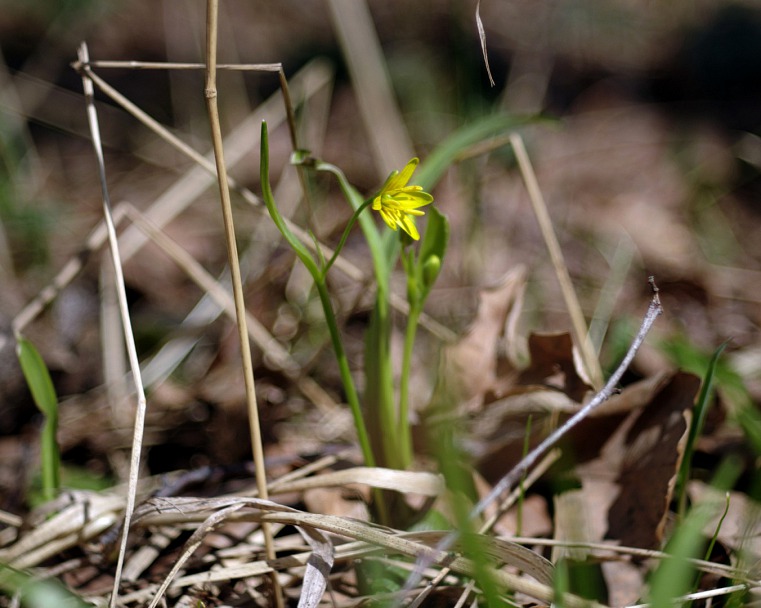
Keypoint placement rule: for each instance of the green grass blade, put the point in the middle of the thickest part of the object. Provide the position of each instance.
(696, 427)
(446, 153)
(298, 247)
(675, 574)
(37, 377)
(45, 398)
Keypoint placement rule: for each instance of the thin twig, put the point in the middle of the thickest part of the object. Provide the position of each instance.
(137, 433)
(210, 93)
(509, 480)
(703, 595)
(166, 65)
(578, 324)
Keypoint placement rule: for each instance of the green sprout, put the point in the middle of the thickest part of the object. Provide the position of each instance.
(44, 395)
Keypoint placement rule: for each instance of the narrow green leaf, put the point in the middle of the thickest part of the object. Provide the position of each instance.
(37, 377)
(44, 395)
(430, 171)
(698, 420)
(269, 200)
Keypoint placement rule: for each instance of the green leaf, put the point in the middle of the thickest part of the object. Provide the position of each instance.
(44, 395)
(430, 171)
(433, 246)
(37, 377)
(269, 200)
(700, 412)
(36, 593)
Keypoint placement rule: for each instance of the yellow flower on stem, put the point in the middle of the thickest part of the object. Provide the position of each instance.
(398, 203)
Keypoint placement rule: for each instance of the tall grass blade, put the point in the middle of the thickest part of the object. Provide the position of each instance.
(698, 420)
(43, 392)
(675, 575)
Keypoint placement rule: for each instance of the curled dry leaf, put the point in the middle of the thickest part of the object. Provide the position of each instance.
(552, 355)
(653, 449)
(470, 367)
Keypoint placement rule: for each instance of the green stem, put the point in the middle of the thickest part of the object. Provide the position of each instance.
(327, 306)
(380, 379)
(351, 395)
(346, 377)
(404, 430)
(345, 235)
(51, 460)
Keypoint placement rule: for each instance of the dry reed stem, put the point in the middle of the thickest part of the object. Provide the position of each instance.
(578, 324)
(168, 65)
(210, 93)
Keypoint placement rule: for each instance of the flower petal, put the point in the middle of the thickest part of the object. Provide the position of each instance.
(409, 227)
(400, 180)
(413, 200)
(391, 217)
(408, 170)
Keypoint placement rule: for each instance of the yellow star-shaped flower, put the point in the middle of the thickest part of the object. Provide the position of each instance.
(398, 203)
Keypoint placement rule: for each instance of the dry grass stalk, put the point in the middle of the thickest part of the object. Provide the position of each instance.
(578, 324)
(139, 425)
(210, 93)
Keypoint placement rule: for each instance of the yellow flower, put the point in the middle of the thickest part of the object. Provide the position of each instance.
(398, 203)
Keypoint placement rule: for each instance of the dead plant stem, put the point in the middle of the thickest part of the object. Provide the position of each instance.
(578, 324)
(140, 410)
(210, 93)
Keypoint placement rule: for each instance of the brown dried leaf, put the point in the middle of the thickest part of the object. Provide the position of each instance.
(551, 355)
(469, 367)
(652, 452)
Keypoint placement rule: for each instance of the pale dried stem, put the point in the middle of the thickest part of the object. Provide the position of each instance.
(137, 433)
(578, 324)
(210, 93)
(167, 65)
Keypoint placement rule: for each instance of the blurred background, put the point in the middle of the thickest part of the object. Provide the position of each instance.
(648, 155)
